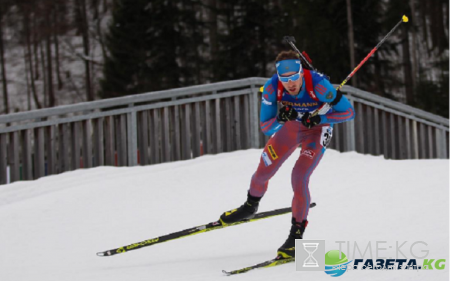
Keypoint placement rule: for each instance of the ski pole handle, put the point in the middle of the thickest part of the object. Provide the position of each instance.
(291, 40)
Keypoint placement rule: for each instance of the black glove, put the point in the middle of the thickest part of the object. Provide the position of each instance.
(286, 113)
(310, 121)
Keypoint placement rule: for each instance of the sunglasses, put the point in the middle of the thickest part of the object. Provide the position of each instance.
(293, 77)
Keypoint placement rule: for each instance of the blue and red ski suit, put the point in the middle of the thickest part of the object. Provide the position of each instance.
(288, 136)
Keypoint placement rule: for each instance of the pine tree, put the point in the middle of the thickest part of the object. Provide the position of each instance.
(152, 46)
(246, 44)
(126, 63)
(320, 29)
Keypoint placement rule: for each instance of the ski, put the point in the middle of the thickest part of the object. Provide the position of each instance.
(279, 260)
(193, 231)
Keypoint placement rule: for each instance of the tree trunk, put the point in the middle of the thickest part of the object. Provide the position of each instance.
(414, 43)
(29, 58)
(212, 27)
(2, 62)
(440, 36)
(423, 11)
(27, 80)
(55, 40)
(44, 73)
(407, 67)
(36, 45)
(198, 59)
(48, 44)
(351, 40)
(81, 8)
(98, 21)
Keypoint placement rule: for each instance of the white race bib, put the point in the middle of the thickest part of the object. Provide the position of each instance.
(325, 137)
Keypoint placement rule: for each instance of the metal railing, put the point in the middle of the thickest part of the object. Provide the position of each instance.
(188, 122)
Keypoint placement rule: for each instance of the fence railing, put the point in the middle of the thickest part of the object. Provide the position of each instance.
(188, 122)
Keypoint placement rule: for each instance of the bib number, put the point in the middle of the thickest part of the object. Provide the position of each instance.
(325, 137)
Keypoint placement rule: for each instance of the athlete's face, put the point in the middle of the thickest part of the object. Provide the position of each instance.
(293, 87)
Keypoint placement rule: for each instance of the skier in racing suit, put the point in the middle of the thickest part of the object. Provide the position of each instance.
(301, 92)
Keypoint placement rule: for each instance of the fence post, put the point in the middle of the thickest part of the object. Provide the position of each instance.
(254, 118)
(110, 149)
(393, 139)
(218, 128)
(440, 144)
(39, 169)
(195, 134)
(98, 142)
(415, 138)
(350, 138)
(143, 138)
(408, 138)
(27, 165)
(208, 128)
(87, 144)
(237, 122)
(376, 135)
(177, 146)
(3, 162)
(359, 120)
(51, 150)
(14, 156)
(132, 137)
(75, 145)
(430, 142)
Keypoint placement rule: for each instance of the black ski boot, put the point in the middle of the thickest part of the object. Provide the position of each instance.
(244, 212)
(297, 230)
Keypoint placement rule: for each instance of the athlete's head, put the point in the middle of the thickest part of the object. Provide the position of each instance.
(290, 71)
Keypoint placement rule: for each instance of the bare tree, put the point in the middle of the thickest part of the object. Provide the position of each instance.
(407, 73)
(25, 8)
(412, 5)
(212, 27)
(98, 19)
(45, 81)
(48, 48)
(35, 40)
(55, 32)
(83, 27)
(351, 40)
(3, 9)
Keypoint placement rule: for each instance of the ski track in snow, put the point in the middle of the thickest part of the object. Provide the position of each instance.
(51, 228)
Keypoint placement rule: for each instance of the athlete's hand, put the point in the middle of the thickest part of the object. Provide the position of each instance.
(286, 113)
(310, 121)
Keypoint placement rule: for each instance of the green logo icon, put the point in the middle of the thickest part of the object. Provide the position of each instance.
(335, 263)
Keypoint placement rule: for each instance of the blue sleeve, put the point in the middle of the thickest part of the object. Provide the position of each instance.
(343, 111)
(268, 116)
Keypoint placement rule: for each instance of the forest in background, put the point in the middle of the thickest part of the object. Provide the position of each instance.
(55, 52)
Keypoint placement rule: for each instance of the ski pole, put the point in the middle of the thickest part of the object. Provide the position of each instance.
(404, 19)
(290, 40)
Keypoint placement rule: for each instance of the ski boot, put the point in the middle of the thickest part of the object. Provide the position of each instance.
(244, 212)
(287, 250)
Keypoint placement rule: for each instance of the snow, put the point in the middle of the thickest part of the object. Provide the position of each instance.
(52, 228)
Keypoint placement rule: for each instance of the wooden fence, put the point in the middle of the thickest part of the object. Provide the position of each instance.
(188, 122)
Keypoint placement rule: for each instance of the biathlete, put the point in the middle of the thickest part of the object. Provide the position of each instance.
(301, 92)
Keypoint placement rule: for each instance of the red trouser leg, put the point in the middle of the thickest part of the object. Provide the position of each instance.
(310, 156)
(276, 151)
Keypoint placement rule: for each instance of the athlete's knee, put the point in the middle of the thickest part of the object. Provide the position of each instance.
(299, 181)
(301, 196)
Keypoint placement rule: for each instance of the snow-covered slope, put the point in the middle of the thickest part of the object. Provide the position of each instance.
(52, 228)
